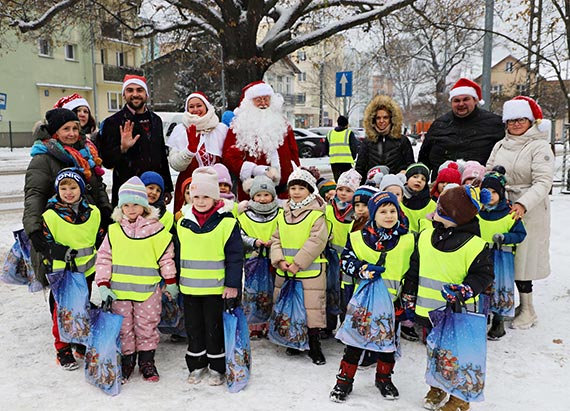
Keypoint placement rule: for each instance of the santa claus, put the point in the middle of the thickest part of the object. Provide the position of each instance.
(260, 140)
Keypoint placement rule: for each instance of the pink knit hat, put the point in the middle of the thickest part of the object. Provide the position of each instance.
(205, 183)
(223, 174)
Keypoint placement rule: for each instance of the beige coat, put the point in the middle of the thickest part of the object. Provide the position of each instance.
(314, 289)
(529, 165)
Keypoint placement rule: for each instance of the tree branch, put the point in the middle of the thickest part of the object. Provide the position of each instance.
(45, 18)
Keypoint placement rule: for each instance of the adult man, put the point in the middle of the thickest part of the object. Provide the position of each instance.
(342, 147)
(131, 140)
(260, 140)
(467, 132)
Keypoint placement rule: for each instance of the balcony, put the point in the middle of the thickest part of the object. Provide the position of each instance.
(117, 73)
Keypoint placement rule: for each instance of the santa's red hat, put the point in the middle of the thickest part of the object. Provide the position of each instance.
(256, 89)
(464, 86)
(71, 102)
(134, 79)
(201, 96)
(525, 107)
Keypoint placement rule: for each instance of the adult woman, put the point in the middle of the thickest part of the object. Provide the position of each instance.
(58, 145)
(198, 142)
(384, 143)
(529, 164)
(79, 106)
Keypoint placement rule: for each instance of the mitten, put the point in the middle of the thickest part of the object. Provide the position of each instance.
(193, 138)
(230, 304)
(172, 289)
(106, 293)
(70, 255)
(371, 272)
(450, 291)
(40, 243)
(498, 238)
(408, 303)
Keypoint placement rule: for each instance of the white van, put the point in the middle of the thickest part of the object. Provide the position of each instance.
(169, 121)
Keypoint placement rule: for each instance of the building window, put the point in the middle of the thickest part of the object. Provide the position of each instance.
(301, 98)
(301, 56)
(302, 76)
(44, 47)
(498, 89)
(521, 89)
(113, 101)
(509, 67)
(103, 56)
(288, 85)
(120, 59)
(70, 52)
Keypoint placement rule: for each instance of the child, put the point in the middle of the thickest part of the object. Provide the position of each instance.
(187, 199)
(360, 204)
(417, 202)
(384, 234)
(258, 221)
(211, 257)
(154, 184)
(297, 249)
(450, 174)
(72, 230)
(135, 255)
(394, 183)
(451, 259)
(327, 188)
(473, 173)
(499, 228)
(226, 185)
(375, 175)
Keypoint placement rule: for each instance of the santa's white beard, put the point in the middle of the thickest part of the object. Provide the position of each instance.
(259, 132)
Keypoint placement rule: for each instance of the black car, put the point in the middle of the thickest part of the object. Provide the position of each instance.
(309, 143)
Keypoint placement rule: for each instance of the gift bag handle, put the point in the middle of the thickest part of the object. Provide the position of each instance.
(459, 305)
(70, 265)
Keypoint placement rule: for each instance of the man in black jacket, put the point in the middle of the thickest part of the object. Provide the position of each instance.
(467, 132)
(131, 140)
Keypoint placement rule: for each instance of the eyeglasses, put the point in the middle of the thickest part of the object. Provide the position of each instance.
(518, 120)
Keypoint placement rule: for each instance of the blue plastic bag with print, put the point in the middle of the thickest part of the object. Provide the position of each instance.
(238, 350)
(172, 315)
(288, 323)
(503, 291)
(456, 353)
(370, 318)
(71, 295)
(258, 289)
(18, 267)
(102, 357)
(333, 281)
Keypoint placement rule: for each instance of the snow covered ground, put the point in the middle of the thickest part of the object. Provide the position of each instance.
(527, 370)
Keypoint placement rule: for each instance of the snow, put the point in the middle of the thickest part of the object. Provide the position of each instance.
(526, 370)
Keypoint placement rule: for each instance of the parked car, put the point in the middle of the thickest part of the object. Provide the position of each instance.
(169, 121)
(310, 144)
(321, 131)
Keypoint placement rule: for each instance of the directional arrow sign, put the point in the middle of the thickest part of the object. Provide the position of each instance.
(344, 84)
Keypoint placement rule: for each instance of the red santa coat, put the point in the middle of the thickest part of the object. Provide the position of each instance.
(233, 158)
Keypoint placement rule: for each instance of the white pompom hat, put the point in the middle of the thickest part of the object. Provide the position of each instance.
(525, 107)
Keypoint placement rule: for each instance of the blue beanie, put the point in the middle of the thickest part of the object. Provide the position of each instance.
(380, 198)
(363, 194)
(151, 177)
(72, 173)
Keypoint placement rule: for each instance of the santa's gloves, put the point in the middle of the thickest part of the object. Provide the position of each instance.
(371, 272)
(251, 170)
(193, 138)
(499, 238)
(450, 291)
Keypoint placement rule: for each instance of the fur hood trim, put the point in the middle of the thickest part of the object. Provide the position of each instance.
(118, 215)
(385, 103)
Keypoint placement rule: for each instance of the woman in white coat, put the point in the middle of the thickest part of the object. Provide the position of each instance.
(529, 163)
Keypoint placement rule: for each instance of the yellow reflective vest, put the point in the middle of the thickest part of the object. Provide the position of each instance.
(167, 220)
(417, 218)
(78, 236)
(438, 268)
(136, 272)
(257, 229)
(202, 258)
(491, 227)
(339, 147)
(340, 231)
(293, 238)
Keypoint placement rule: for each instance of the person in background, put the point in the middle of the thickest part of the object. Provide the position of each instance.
(360, 205)
(225, 184)
(80, 106)
(154, 185)
(327, 188)
(472, 173)
(417, 202)
(394, 183)
(448, 175)
(187, 206)
(342, 147)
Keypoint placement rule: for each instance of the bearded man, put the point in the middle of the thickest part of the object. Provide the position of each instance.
(260, 140)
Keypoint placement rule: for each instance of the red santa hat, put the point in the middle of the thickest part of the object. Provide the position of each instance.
(256, 89)
(201, 96)
(464, 86)
(71, 102)
(525, 107)
(134, 79)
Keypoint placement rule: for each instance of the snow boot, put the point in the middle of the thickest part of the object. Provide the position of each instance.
(497, 330)
(147, 367)
(409, 333)
(315, 350)
(128, 363)
(195, 376)
(384, 383)
(344, 381)
(434, 398)
(78, 351)
(454, 404)
(527, 316)
(66, 359)
(216, 378)
(291, 352)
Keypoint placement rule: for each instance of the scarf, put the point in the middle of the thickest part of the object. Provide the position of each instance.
(384, 238)
(262, 209)
(295, 206)
(416, 200)
(204, 124)
(201, 218)
(78, 212)
(228, 196)
(343, 210)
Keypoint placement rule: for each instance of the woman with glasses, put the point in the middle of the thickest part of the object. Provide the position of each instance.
(529, 163)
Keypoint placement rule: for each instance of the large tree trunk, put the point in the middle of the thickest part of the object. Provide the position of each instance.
(239, 72)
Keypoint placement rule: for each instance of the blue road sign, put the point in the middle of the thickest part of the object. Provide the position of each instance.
(344, 84)
(3, 98)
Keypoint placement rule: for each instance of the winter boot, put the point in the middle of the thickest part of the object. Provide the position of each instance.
(497, 328)
(66, 359)
(315, 350)
(434, 398)
(409, 333)
(195, 376)
(384, 380)
(215, 378)
(78, 351)
(454, 404)
(147, 367)
(344, 381)
(128, 363)
(527, 317)
(291, 352)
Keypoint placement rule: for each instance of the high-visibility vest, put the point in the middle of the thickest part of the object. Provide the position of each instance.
(202, 258)
(339, 147)
(491, 227)
(257, 229)
(417, 218)
(438, 268)
(167, 220)
(340, 231)
(397, 259)
(78, 236)
(136, 271)
(293, 238)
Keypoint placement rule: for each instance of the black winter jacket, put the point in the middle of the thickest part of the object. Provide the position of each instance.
(396, 153)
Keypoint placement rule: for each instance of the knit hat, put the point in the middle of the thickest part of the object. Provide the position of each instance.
(496, 180)
(375, 170)
(71, 102)
(223, 174)
(417, 168)
(202, 97)
(134, 79)
(363, 194)
(57, 117)
(325, 185)
(472, 169)
(450, 174)
(342, 121)
(465, 86)
(460, 204)
(392, 180)
(205, 183)
(525, 107)
(349, 179)
(72, 173)
(380, 198)
(133, 191)
(256, 89)
(303, 176)
(185, 184)
(262, 183)
(152, 177)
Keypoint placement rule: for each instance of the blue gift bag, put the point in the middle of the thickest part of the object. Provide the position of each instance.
(172, 315)
(103, 354)
(503, 291)
(72, 297)
(370, 318)
(18, 267)
(258, 290)
(333, 281)
(238, 350)
(288, 324)
(456, 353)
